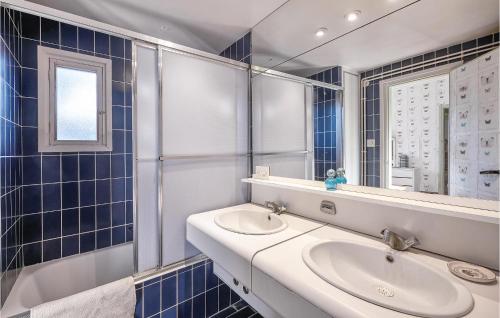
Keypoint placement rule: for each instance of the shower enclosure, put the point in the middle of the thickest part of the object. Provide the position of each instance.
(192, 149)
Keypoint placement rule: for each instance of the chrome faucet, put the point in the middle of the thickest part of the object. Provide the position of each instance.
(397, 242)
(276, 207)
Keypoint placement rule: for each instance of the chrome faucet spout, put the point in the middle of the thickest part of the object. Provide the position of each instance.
(276, 207)
(397, 242)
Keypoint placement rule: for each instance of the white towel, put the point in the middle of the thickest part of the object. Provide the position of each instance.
(116, 299)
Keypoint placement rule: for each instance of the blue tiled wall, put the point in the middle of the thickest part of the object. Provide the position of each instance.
(10, 151)
(191, 292)
(372, 98)
(325, 116)
(241, 50)
(75, 202)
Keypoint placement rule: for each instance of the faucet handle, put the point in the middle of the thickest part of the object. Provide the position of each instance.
(385, 232)
(281, 207)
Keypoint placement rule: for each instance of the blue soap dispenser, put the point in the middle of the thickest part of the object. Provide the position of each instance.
(341, 179)
(331, 181)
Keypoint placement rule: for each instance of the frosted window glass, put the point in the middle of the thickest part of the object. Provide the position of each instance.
(76, 100)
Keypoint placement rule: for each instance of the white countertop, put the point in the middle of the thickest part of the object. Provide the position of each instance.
(201, 227)
(284, 264)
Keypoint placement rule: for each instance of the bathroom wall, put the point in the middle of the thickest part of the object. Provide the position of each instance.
(372, 98)
(440, 230)
(240, 50)
(193, 291)
(10, 151)
(325, 118)
(75, 202)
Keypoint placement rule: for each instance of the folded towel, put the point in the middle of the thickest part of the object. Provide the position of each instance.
(116, 299)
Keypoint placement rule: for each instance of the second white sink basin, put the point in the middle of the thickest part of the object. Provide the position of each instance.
(251, 222)
(398, 281)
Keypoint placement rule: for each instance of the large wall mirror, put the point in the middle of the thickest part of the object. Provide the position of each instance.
(409, 105)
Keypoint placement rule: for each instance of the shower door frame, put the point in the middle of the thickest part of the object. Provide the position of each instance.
(178, 49)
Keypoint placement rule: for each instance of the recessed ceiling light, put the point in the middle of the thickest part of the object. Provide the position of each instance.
(321, 32)
(352, 16)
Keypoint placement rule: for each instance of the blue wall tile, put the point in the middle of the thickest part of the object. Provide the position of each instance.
(69, 195)
(169, 295)
(87, 219)
(70, 221)
(69, 167)
(151, 299)
(33, 174)
(117, 46)
(87, 242)
(32, 228)
(32, 253)
(118, 235)
(102, 43)
(51, 169)
(49, 31)
(239, 50)
(85, 40)
(69, 35)
(103, 216)
(51, 225)
(169, 292)
(51, 249)
(51, 197)
(30, 26)
(32, 196)
(325, 116)
(70, 245)
(77, 186)
(103, 238)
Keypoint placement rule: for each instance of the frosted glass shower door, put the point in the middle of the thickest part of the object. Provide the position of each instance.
(282, 126)
(204, 143)
(147, 151)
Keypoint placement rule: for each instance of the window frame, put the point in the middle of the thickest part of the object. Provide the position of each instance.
(49, 59)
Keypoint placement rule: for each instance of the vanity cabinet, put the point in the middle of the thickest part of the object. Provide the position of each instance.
(474, 129)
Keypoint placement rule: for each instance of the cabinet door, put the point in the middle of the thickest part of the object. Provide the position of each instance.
(488, 60)
(488, 186)
(442, 92)
(465, 89)
(464, 122)
(488, 116)
(488, 84)
(465, 174)
(463, 147)
(488, 151)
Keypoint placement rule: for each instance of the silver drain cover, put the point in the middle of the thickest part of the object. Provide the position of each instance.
(385, 291)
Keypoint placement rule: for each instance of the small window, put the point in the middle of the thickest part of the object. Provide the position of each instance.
(74, 94)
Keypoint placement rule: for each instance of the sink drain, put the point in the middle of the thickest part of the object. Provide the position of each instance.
(385, 291)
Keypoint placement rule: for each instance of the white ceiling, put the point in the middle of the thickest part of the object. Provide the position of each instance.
(421, 27)
(212, 25)
(208, 25)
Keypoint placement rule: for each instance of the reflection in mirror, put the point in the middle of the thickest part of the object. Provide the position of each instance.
(417, 131)
(416, 108)
(296, 124)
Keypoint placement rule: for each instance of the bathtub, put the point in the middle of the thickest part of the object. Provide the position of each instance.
(56, 279)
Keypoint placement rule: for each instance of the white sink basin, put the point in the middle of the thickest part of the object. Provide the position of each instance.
(251, 222)
(406, 284)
